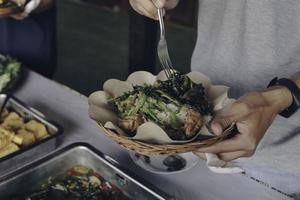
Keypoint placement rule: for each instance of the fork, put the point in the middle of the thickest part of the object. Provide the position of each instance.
(162, 48)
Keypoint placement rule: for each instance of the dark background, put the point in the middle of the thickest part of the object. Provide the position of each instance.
(102, 39)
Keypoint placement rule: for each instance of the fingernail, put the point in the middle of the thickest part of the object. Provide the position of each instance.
(158, 3)
(216, 128)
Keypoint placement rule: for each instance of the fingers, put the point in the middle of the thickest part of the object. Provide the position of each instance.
(232, 155)
(230, 145)
(220, 123)
(237, 113)
(149, 7)
(159, 3)
(218, 126)
(167, 4)
(200, 155)
(144, 7)
(20, 16)
(252, 117)
(170, 4)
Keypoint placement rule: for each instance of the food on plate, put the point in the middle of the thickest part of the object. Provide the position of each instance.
(16, 133)
(78, 183)
(9, 69)
(178, 105)
(7, 3)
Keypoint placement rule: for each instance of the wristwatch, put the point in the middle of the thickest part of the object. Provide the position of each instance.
(294, 89)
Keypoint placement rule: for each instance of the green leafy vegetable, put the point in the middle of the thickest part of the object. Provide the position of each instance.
(177, 105)
(9, 69)
(78, 183)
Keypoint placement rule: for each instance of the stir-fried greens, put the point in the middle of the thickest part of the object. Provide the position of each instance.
(178, 105)
(9, 69)
(78, 183)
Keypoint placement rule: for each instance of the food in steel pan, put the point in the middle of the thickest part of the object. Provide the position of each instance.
(178, 105)
(78, 183)
(17, 133)
(9, 69)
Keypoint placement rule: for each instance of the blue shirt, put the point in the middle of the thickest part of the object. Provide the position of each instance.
(31, 40)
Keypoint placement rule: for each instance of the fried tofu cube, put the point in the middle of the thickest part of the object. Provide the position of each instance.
(4, 140)
(11, 136)
(27, 137)
(38, 129)
(10, 148)
(13, 122)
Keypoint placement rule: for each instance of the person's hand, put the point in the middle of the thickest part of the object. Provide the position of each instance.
(149, 7)
(19, 2)
(22, 15)
(253, 113)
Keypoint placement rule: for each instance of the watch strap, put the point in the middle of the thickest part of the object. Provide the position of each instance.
(295, 91)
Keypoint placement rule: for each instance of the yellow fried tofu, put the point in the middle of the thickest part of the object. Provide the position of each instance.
(4, 140)
(10, 148)
(13, 122)
(11, 136)
(27, 137)
(38, 129)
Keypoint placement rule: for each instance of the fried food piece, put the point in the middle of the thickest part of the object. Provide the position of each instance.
(11, 136)
(193, 123)
(10, 148)
(28, 137)
(4, 141)
(130, 124)
(13, 122)
(38, 129)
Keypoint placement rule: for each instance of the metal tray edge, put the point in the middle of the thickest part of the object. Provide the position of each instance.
(149, 187)
(60, 131)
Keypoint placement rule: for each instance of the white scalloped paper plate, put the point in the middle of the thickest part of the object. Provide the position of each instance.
(149, 131)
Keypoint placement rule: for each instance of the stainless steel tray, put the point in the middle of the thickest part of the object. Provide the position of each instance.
(31, 176)
(27, 112)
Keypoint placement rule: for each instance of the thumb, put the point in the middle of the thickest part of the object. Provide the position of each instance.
(167, 4)
(159, 3)
(219, 124)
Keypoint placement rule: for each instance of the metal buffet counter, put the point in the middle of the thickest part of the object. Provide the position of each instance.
(70, 109)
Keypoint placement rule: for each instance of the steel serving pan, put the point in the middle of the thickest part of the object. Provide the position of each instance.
(27, 112)
(31, 176)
